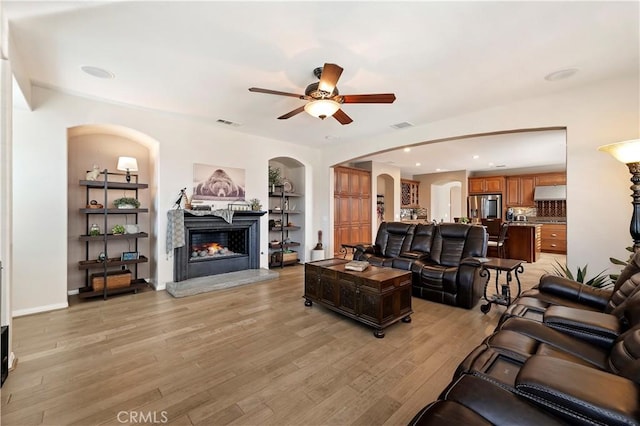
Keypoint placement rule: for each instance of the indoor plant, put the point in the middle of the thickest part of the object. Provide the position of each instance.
(255, 204)
(275, 177)
(117, 229)
(600, 280)
(126, 203)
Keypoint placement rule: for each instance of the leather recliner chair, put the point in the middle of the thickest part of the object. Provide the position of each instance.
(443, 259)
(450, 274)
(392, 239)
(553, 290)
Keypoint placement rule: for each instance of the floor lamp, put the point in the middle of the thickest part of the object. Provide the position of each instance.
(628, 152)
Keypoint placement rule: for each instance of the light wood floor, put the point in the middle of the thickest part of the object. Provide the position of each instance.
(252, 355)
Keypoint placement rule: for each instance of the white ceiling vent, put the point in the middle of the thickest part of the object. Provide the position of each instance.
(402, 125)
(227, 122)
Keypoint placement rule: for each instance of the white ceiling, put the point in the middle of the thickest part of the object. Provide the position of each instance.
(441, 59)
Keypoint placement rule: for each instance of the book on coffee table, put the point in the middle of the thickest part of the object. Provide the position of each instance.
(356, 265)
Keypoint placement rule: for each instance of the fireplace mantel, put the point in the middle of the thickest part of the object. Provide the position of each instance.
(248, 221)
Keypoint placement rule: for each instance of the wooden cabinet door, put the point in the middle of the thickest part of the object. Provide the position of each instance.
(494, 184)
(527, 188)
(341, 180)
(551, 179)
(476, 185)
(365, 185)
(513, 192)
(342, 214)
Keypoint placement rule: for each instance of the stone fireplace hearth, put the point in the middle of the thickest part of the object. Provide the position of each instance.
(214, 246)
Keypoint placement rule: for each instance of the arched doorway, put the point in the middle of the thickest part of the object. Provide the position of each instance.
(385, 197)
(446, 201)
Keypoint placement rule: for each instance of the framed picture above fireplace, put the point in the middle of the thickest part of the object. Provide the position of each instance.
(218, 183)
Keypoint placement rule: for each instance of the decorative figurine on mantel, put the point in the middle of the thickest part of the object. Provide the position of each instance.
(182, 196)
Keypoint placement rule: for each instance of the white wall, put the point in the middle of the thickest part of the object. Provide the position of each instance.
(593, 116)
(597, 186)
(40, 177)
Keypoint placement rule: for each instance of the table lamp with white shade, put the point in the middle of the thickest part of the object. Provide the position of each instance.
(128, 164)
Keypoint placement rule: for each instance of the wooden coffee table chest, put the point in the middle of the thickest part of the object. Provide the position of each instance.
(377, 296)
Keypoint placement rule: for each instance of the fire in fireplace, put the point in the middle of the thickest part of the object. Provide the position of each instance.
(207, 244)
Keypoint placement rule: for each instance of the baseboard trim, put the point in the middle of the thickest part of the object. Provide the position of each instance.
(40, 309)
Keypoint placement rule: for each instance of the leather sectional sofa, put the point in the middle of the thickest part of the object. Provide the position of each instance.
(443, 258)
(576, 362)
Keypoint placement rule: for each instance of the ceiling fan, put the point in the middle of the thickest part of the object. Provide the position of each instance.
(324, 99)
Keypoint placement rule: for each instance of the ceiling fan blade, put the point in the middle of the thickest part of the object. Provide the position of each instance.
(342, 117)
(291, 113)
(329, 77)
(276, 92)
(379, 98)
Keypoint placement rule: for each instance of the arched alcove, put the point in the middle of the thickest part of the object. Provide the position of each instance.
(288, 212)
(101, 145)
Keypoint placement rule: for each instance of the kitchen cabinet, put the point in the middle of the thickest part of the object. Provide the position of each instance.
(544, 179)
(554, 238)
(486, 185)
(519, 191)
(409, 193)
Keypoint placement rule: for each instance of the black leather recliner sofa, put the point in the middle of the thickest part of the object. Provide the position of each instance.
(443, 258)
(573, 364)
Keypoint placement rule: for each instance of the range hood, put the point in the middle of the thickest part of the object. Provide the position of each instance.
(550, 193)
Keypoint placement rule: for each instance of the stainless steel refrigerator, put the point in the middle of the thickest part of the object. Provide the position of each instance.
(486, 206)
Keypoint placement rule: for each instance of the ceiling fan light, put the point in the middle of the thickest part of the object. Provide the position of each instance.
(322, 108)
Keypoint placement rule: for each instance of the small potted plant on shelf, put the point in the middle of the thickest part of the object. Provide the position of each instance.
(255, 204)
(275, 178)
(117, 229)
(126, 203)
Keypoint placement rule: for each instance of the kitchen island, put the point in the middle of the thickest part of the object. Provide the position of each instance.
(524, 241)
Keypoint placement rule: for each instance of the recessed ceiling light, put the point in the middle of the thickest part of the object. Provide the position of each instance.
(475, 157)
(561, 75)
(97, 72)
(407, 149)
(418, 164)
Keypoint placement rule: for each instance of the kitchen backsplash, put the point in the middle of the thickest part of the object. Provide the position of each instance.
(527, 211)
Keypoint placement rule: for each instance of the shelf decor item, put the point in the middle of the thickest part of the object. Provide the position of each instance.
(94, 230)
(128, 164)
(117, 230)
(275, 178)
(115, 279)
(255, 204)
(129, 255)
(131, 228)
(126, 203)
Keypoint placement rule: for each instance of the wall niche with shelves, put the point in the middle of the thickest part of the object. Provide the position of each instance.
(107, 226)
(96, 145)
(286, 214)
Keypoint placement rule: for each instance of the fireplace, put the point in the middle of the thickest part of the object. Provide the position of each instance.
(214, 246)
